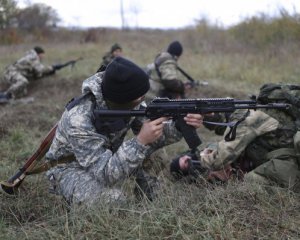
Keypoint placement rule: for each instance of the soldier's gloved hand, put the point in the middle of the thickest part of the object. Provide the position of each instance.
(184, 162)
(151, 131)
(188, 85)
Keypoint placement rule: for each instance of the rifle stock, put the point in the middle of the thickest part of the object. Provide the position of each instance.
(10, 186)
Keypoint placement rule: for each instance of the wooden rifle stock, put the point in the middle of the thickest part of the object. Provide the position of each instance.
(11, 185)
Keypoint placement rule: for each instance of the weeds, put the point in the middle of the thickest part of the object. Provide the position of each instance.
(182, 211)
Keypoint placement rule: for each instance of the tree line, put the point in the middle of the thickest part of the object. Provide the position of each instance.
(30, 18)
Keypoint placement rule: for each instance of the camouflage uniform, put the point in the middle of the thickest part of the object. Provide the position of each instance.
(107, 58)
(265, 146)
(103, 161)
(26, 69)
(164, 77)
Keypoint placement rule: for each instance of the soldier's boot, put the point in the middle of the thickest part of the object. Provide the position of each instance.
(146, 186)
(5, 97)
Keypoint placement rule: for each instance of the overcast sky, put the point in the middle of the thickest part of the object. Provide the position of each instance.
(161, 13)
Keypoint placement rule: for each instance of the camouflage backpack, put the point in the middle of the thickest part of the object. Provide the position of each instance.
(286, 135)
(285, 93)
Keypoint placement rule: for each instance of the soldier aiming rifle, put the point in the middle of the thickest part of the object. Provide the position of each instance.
(25, 70)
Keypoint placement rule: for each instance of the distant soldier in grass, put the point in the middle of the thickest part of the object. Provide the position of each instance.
(165, 79)
(27, 69)
(115, 51)
(267, 144)
(103, 158)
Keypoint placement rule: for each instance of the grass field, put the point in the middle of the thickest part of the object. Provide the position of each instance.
(237, 210)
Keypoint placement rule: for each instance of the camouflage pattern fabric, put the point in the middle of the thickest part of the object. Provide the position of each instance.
(26, 69)
(106, 59)
(168, 82)
(103, 162)
(266, 140)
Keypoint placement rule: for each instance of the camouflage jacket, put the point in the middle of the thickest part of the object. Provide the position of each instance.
(29, 66)
(106, 59)
(106, 157)
(262, 131)
(165, 76)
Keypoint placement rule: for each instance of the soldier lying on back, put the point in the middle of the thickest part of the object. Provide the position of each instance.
(267, 143)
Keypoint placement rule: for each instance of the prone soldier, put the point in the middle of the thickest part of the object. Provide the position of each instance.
(19, 74)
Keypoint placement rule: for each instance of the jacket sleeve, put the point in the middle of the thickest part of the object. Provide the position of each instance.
(92, 151)
(256, 124)
(169, 76)
(40, 69)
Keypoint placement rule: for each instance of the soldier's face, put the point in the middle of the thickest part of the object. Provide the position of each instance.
(206, 151)
(118, 53)
(41, 56)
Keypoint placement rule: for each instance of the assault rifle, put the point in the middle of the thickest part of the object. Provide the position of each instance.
(68, 63)
(177, 109)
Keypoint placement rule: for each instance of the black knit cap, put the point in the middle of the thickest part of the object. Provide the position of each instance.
(115, 47)
(175, 48)
(39, 50)
(124, 81)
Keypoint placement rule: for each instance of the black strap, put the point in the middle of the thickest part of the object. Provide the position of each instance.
(184, 73)
(76, 100)
(230, 136)
(101, 68)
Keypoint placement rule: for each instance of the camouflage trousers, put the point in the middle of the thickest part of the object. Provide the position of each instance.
(282, 168)
(17, 82)
(78, 186)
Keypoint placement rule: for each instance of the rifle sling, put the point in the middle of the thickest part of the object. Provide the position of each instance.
(184, 73)
(50, 164)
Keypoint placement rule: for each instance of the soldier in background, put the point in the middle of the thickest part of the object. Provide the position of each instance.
(27, 69)
(165, 79)
(266, 147)
(115, 51)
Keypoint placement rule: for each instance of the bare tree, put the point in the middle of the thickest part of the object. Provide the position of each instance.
(122, 15)
(135, 9)
(8, 11)
(37, 16)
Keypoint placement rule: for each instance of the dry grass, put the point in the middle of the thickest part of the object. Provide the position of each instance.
(182, 211)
